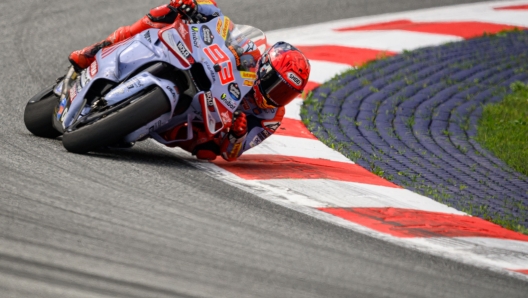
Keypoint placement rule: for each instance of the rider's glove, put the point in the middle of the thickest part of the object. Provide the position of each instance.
(187, 6)
(239, 126)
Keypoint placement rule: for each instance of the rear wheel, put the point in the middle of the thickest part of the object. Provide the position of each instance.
(112, 128)
(38, 115)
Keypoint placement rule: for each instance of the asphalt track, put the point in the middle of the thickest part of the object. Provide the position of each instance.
(142, 223)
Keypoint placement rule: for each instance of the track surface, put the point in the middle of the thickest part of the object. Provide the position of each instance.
(141, 223)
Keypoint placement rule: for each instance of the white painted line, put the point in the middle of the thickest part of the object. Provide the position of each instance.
(324, 71)
(456, 12)
(293, 109)
(299, 147)
(390, 40)
(330, 193)
(508, 254)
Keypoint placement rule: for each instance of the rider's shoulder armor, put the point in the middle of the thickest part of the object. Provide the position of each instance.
(162, 14)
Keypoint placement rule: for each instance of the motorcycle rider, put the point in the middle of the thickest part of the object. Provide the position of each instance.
(282, 74)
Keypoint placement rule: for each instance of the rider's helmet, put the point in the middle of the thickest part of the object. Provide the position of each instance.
(282, 74)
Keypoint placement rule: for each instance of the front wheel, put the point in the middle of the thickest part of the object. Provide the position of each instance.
(38, 115)
(114, 127)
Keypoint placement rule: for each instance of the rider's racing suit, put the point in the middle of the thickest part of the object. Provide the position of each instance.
(261, 123)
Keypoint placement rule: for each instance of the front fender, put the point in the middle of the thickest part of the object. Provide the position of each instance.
(139, 83)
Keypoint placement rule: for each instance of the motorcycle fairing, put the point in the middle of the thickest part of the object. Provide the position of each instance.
(187, 43)
(114, 64)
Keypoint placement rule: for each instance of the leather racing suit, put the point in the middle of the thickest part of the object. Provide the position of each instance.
(261, 122)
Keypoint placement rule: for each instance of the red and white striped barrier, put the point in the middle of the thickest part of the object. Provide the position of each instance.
(292, 168)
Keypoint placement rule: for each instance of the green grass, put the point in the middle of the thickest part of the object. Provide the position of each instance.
(503, 128)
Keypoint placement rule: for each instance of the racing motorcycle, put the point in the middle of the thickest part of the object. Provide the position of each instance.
(179, 85)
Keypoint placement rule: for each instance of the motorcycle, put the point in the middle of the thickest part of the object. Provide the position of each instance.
(179, 85)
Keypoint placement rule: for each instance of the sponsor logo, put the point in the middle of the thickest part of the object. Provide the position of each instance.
(204, 2)
(85, 79)
(183, 50)
(155, 126)
(248, 75)
(134, 83)
(235, 151)
(295, 79)
(226, 118)
(219, 25)
(248, 83)
(212, 122)
(64, 114)
(237, 57)
(250, 46)
(271, 126)
(73, 92)
(255, 142)
(62, 106)
(147, 36)
(206, 35)
(234, 91)
(195, 38)
(228, 102)
(211, 71)
(264, 134)
(259, 138)
(210, 101)
(94, 69)
(182, 29)
(171, 91)
(225, 29)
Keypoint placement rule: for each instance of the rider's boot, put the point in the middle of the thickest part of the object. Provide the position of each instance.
(81, 59)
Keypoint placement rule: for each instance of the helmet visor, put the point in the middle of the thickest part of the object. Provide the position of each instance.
(274, 88)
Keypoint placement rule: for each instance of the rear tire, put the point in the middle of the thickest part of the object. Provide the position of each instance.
(111, 129)
(38, 115)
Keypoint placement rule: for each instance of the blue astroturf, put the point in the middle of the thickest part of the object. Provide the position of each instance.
(412, 119)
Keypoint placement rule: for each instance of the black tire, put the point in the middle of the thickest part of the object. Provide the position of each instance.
(111, 129)
(38, 115)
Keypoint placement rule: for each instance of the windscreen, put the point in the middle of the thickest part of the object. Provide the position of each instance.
(249, 43)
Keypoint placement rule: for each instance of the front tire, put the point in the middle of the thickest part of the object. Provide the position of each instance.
(38, 115)
(112, 128)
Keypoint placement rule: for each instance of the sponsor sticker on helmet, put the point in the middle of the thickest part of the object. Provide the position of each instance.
(294, 78)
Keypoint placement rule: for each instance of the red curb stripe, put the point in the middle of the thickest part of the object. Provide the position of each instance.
(341, 54)
(294, 128)
(522, 271)
(461, 29)
(513, 7)
(311, 86)
(267, 167)
(406, 223)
